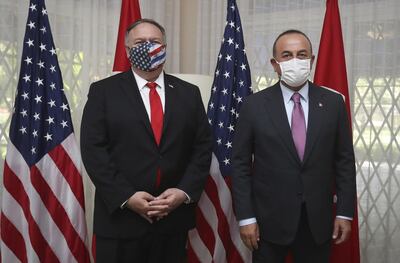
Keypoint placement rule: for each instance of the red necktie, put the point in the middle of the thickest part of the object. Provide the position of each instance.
(156, 109)
(156, 117)
(298, 126)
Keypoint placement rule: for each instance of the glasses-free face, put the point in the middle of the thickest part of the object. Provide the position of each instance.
(291, 46)
(142, 33)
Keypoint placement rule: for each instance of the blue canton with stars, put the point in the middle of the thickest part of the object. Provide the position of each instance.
(140, 55)
(41, 119)
(232, 83)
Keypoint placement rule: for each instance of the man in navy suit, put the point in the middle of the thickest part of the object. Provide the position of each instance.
(146, 146)
(292, 151)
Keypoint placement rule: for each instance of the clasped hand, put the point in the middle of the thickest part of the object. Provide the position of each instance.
(154, 208)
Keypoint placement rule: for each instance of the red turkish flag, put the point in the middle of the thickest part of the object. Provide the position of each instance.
(331, 72)
(130, 12)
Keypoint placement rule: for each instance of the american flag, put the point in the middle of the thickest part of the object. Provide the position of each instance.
(216, 237)
(43, 210)
(155, 55)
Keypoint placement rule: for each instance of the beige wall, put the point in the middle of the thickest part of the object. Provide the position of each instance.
(188, 13)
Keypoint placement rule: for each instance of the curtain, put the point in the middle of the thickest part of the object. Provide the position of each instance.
(371, 30)
(85, 34)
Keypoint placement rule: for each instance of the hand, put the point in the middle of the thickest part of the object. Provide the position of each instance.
(139, 203)
(341, 230)
(166, 202)
(250, 235)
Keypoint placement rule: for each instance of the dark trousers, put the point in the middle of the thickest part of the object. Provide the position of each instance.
(303, 249)
(152, 248)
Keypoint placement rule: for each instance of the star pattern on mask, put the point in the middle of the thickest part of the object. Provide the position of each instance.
(147, 56)
(139, 56)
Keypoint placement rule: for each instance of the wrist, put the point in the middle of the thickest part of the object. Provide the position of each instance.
(185, 197)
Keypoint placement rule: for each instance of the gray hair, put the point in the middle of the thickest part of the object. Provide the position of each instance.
(149, 21)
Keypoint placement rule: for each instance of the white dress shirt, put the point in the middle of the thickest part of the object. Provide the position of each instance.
(145, 91)
(288, 102)
(145, 94)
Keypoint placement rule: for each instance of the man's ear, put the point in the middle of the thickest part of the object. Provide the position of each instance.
(312, 61)
(276, 66)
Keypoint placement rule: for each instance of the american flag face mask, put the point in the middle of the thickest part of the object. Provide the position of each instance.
(147, 56)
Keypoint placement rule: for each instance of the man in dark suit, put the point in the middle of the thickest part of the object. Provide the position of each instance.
(292, 151)
(146, 146)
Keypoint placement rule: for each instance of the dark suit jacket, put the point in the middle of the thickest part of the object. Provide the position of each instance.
(274, 185)
(121, 156)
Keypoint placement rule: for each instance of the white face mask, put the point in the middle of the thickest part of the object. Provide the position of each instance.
(295, 72)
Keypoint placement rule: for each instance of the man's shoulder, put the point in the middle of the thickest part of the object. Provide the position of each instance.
(112, 79)
(182, 87)
(109, 85)
(266, 93)
(326, 92)
(177, 82)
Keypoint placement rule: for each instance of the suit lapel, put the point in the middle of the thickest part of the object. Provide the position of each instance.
(315, 119)
(169, 101)
(171, 104)
(277, 112)
(129, 85)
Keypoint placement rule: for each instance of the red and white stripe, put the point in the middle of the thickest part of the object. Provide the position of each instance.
(43, 212)
(216, 237)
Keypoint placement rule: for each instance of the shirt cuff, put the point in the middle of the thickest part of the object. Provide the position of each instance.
(188, 199)
(247, 221)
(345, 217)
(123, 205)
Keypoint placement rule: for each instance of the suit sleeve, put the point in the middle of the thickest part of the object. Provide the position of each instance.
(111, 186)
(242, 164)
(194, 178)
(345, 165)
